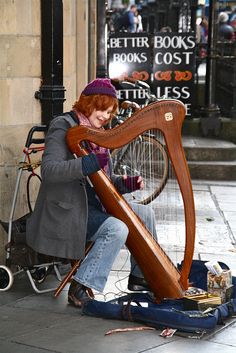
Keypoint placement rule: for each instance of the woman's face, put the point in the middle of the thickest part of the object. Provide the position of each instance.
(100, 118)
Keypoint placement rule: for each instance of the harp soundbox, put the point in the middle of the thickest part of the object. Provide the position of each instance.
(167, 116)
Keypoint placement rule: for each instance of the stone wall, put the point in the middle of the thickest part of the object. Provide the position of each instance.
(20, 71)
(20, 78)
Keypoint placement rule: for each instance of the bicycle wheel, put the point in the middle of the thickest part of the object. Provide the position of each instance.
(6, 278)
(147, 157)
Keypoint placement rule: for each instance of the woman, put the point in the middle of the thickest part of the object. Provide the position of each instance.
(68, 213)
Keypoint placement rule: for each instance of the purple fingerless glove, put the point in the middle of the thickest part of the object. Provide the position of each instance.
(132, 183)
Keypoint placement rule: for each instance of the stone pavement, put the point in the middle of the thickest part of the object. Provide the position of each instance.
(39, 323)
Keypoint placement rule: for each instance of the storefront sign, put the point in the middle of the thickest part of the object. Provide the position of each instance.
(129, 57)
(174, 66)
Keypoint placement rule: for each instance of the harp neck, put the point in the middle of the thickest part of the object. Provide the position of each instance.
(166, 116)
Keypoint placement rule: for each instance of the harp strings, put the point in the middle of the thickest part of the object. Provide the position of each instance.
(170, 215)
(147, 156)
(168, 205)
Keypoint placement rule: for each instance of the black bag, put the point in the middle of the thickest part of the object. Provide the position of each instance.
(20, 254)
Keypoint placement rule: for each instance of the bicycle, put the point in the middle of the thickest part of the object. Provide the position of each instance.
(145, 156)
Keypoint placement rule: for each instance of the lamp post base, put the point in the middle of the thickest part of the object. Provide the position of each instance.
(210, 123)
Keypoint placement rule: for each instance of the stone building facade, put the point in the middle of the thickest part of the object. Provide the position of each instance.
(20, 78)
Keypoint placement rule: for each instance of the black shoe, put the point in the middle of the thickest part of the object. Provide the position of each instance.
(78, 294)
(137, 284)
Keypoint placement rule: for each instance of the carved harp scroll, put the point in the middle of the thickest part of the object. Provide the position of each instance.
(167, 116)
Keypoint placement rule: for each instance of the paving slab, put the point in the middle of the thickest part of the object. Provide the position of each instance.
(226, 336)
(88, 335)
(39, 323)
(193, 346)
(12, 347)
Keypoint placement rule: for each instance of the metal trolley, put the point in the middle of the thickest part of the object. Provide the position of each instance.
(20, 257)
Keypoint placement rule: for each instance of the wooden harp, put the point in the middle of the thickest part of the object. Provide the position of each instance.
(167, 116)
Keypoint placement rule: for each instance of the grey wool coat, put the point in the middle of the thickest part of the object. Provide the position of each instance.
(58, 224)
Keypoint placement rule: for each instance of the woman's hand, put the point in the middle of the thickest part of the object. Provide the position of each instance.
(133, 182)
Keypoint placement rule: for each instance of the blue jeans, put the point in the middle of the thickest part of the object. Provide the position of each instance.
(108, 240)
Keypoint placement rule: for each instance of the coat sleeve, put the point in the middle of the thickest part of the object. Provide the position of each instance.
(58, 163)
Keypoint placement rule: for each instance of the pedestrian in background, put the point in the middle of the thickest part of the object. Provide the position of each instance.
(139, 22)
(225, 31)
(204, 29)
(232, 18)
(126, 21)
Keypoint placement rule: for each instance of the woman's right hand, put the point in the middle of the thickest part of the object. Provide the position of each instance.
(133, 183)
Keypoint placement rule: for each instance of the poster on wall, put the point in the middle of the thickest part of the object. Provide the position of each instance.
(174, 67)
(129, 57)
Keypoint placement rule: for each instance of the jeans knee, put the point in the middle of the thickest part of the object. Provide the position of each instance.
(120, 229)
(145, 212)
(151, 214)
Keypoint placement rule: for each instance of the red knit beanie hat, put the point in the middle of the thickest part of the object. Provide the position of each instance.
(100, 86)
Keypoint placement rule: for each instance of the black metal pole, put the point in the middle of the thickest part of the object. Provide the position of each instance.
(101, 69)
(52, 92)
(210, 113)
(193, 7)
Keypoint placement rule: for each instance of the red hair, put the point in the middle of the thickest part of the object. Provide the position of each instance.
(87, 104)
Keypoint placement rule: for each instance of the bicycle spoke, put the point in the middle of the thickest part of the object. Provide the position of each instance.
(146, 157)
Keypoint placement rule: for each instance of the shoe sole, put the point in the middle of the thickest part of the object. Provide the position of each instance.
(137, 288)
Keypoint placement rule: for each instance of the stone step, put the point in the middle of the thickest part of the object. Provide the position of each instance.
(210, 154)
(213, 170)
(203, 149)
(210, 159)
